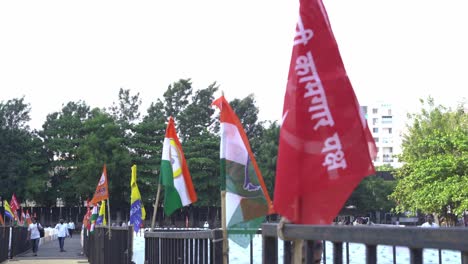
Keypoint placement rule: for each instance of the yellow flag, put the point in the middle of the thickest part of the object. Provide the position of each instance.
(101, 220)
(137, 210)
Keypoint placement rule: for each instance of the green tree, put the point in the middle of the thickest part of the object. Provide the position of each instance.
(177, 97)
(22, 157)
(63, 134)
(147, 150)
(126, 110)
(267, 155)
(434, 177)
(102, 144)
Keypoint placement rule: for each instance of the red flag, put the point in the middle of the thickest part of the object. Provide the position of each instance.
(325, 146)
(87, 217)
(2, 222)
(102, 189)
(28, 217)
(15, 206)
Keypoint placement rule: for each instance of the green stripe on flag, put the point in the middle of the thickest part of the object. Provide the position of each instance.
(172, 199)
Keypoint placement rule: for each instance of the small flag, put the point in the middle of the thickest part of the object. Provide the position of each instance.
(8, 211)
(102, 189)
(94, 216)
(86, 219)
(23, 218)
(15, 206)
(137, 209)
(28, 218)
(247, 199)
(325, 147)
(2, 222)
(175, 176)
(101, 220)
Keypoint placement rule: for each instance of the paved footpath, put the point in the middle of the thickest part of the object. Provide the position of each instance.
(49, 252)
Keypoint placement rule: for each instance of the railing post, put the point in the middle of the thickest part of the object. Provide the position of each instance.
(287, 252)
(217, 250)
(464, 257)
(312, 251)
(338, 252)
(416, 256)
(270, 250)
(371, 254)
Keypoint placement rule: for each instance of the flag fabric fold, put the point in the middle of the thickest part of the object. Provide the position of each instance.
(247, 199)
(175, 176)
(325, 147)
(101, 219)
(102, 189)
(137, 209)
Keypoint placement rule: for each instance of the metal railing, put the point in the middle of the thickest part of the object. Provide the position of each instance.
(415, 238)
(19, 240)
(4, 242)
(183, 246)
(102, 249)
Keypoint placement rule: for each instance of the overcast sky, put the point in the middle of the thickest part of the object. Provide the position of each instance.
(53, 52)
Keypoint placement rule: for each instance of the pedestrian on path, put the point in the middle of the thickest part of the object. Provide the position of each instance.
(71, 228)
(34, 235)
(62, 233)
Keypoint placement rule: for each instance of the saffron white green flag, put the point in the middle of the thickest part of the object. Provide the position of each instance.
(175, 176)
(247, 199)
(94, 216)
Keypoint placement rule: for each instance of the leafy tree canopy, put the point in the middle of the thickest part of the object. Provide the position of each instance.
(434, 178)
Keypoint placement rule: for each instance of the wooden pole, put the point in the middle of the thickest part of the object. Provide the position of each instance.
(155, 206)
(223, 223)
(109, 218)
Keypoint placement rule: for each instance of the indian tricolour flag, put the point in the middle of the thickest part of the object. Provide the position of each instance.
(94, 217)
(175, 176)
(247, 199)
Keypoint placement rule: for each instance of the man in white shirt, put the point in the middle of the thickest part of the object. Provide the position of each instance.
(430, 222)
(62, 233)
(33, 234)
(71, 228)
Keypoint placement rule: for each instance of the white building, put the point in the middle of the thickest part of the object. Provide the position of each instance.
(385, 124)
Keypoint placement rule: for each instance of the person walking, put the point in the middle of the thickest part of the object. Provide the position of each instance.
(71, 228)
(62, 233)
(34, 235)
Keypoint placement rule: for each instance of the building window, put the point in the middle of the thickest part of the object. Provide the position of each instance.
(375, 110)
(376, 140)
(375, 130)
(375, 121)
(364, 109)
(386, 119)
(387, 140)
(389, 112)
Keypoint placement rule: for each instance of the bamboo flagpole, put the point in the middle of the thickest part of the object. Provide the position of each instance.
(155, 206)
(224, 227)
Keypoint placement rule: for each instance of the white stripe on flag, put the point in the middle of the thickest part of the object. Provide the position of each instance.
(232, 146)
